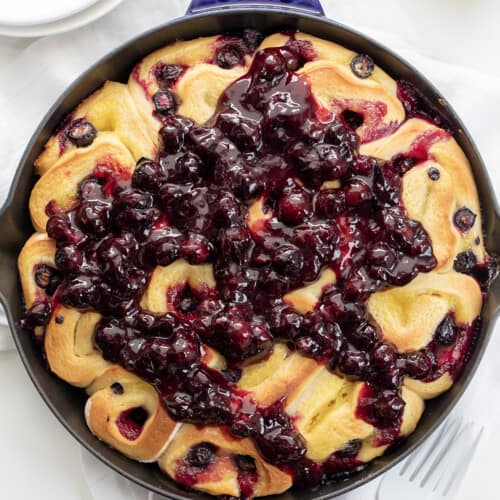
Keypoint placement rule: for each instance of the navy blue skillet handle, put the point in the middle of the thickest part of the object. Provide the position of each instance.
(303, 6)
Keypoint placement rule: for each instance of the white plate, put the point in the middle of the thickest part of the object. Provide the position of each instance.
(95, 11)
(30, 12)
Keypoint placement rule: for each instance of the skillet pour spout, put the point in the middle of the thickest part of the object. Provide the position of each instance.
(209, 17)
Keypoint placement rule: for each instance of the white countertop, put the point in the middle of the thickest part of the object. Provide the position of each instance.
(38, 458)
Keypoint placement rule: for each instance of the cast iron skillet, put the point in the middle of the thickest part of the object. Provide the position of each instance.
(208, 17)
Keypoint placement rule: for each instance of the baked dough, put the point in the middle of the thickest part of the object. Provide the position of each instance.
(125, 411)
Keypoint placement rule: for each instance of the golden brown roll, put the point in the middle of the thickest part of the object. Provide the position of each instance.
(38, 251)
(409, 315)
(432, 202)
(110, 111)
(69, 346)
(197, 89)
(59, 185)
(126, 413)
(233, 467)
(167, 281)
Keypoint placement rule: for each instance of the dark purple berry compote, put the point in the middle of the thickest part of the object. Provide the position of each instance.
(269, 140)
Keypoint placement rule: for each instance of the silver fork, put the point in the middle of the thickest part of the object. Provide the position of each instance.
(436, 469)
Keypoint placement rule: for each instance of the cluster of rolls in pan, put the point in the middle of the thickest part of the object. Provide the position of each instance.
(259, 257)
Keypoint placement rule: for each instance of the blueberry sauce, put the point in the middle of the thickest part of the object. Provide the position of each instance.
(417, 105)
(384, 410)
(130, 423)
(247, 475)
(269, 140)
(231, 49)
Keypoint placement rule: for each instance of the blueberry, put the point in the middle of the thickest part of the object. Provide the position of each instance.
(168, 74)
(164, 102)
(446, 331)
(354, 363)
(173, 133)
(337, 134)
(171, 196)
(318, 238)
(156, 325)
(94, 216)
(351, 449)
(288, 260)
(418, 364)
(404, 163)
(228, 56)
(81, 133)
(304, 49)
(62, 229)
(292, 58)
(239, 337)
(236, 243)
(68, 258)
(228, 209)
(381, 254)
(330, 202)
(37, 315)
(388, 408)
(285, 322)
(90, 189)
(362, 65)
(384, 357)
(260, 257)
(133, 211)
(465, 262)
(110, 337)
(231, 375)
(114, 254)
(148, 175)
(343, 310)
(252, 39)
(117, 388)
(357, 192)
(359, 284)
(294, 206)
(247, 185)
(320, 338)
(81, 292)
(433, 173)
(196, 248)
(189, 167)
(276, 439)
(44, 275)
(363, 336)
(161, 247)
(244, 132)
(464, 218)
(406, 234)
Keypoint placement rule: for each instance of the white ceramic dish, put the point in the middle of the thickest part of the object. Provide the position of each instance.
(34, 12)
(96, 10)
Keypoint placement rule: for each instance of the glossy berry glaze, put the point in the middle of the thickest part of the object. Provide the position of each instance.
(269, 140)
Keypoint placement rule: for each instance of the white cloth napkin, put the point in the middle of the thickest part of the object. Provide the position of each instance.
(34, 79)
(47, 67)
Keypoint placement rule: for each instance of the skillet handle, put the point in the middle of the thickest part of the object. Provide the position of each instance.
(300, 6)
